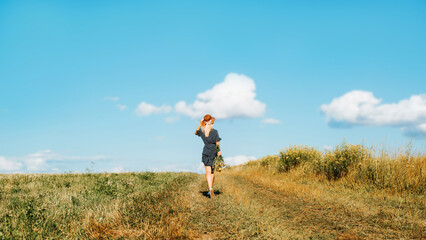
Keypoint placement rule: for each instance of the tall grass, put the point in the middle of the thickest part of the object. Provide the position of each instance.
(399, 171)
(293, 156)
(337, 163)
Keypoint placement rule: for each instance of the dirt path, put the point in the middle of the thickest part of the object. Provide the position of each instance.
(245, 208)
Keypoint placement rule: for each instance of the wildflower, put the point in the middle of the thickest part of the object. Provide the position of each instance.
(219, 163)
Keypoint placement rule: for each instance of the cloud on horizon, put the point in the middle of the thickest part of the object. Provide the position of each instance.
(41, 161)
(237, 160)
(8, 165)
(362, 108)
(117, 169)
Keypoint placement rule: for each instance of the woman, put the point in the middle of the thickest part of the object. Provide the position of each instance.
(211, 139)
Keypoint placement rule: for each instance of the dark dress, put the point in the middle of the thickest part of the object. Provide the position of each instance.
(209, 150)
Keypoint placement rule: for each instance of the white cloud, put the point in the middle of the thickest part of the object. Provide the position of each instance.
(40, 161)
(37, 161)
(8, 165)
(232, 98)
(121, 107)
(271, 121)
(114, 99)
(171, 168)
(145, 109)
(415, 131)
(240, 159)
(117, 169)
(201, 167)
(327, 147)
(362, 108)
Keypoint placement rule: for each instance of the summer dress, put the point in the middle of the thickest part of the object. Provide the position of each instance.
(209, 150)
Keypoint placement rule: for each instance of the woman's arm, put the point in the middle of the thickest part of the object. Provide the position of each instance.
(198, 128)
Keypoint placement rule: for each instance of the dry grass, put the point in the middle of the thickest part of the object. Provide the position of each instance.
(378, 196)
(380, 189)
(356, 166)
(94, 206)
(302, 209)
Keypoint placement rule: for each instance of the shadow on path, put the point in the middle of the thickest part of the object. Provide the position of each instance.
(216, 192)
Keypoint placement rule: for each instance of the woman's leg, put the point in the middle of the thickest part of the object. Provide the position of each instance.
(209, 177)
(212, 179)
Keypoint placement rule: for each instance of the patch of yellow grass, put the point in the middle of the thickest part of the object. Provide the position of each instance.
(394, 207)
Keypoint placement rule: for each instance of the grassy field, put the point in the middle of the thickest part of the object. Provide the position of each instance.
(94, 206)
(275, 197)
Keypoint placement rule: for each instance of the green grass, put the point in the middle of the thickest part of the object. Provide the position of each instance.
(350, 192)
(99, 206)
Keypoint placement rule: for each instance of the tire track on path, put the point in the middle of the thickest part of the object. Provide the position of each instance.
(246, 209)
(324, 218)
(228, 217)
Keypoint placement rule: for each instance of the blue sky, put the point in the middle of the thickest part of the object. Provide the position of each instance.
(73, 74)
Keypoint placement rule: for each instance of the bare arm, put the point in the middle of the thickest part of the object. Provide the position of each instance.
(199, 126)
